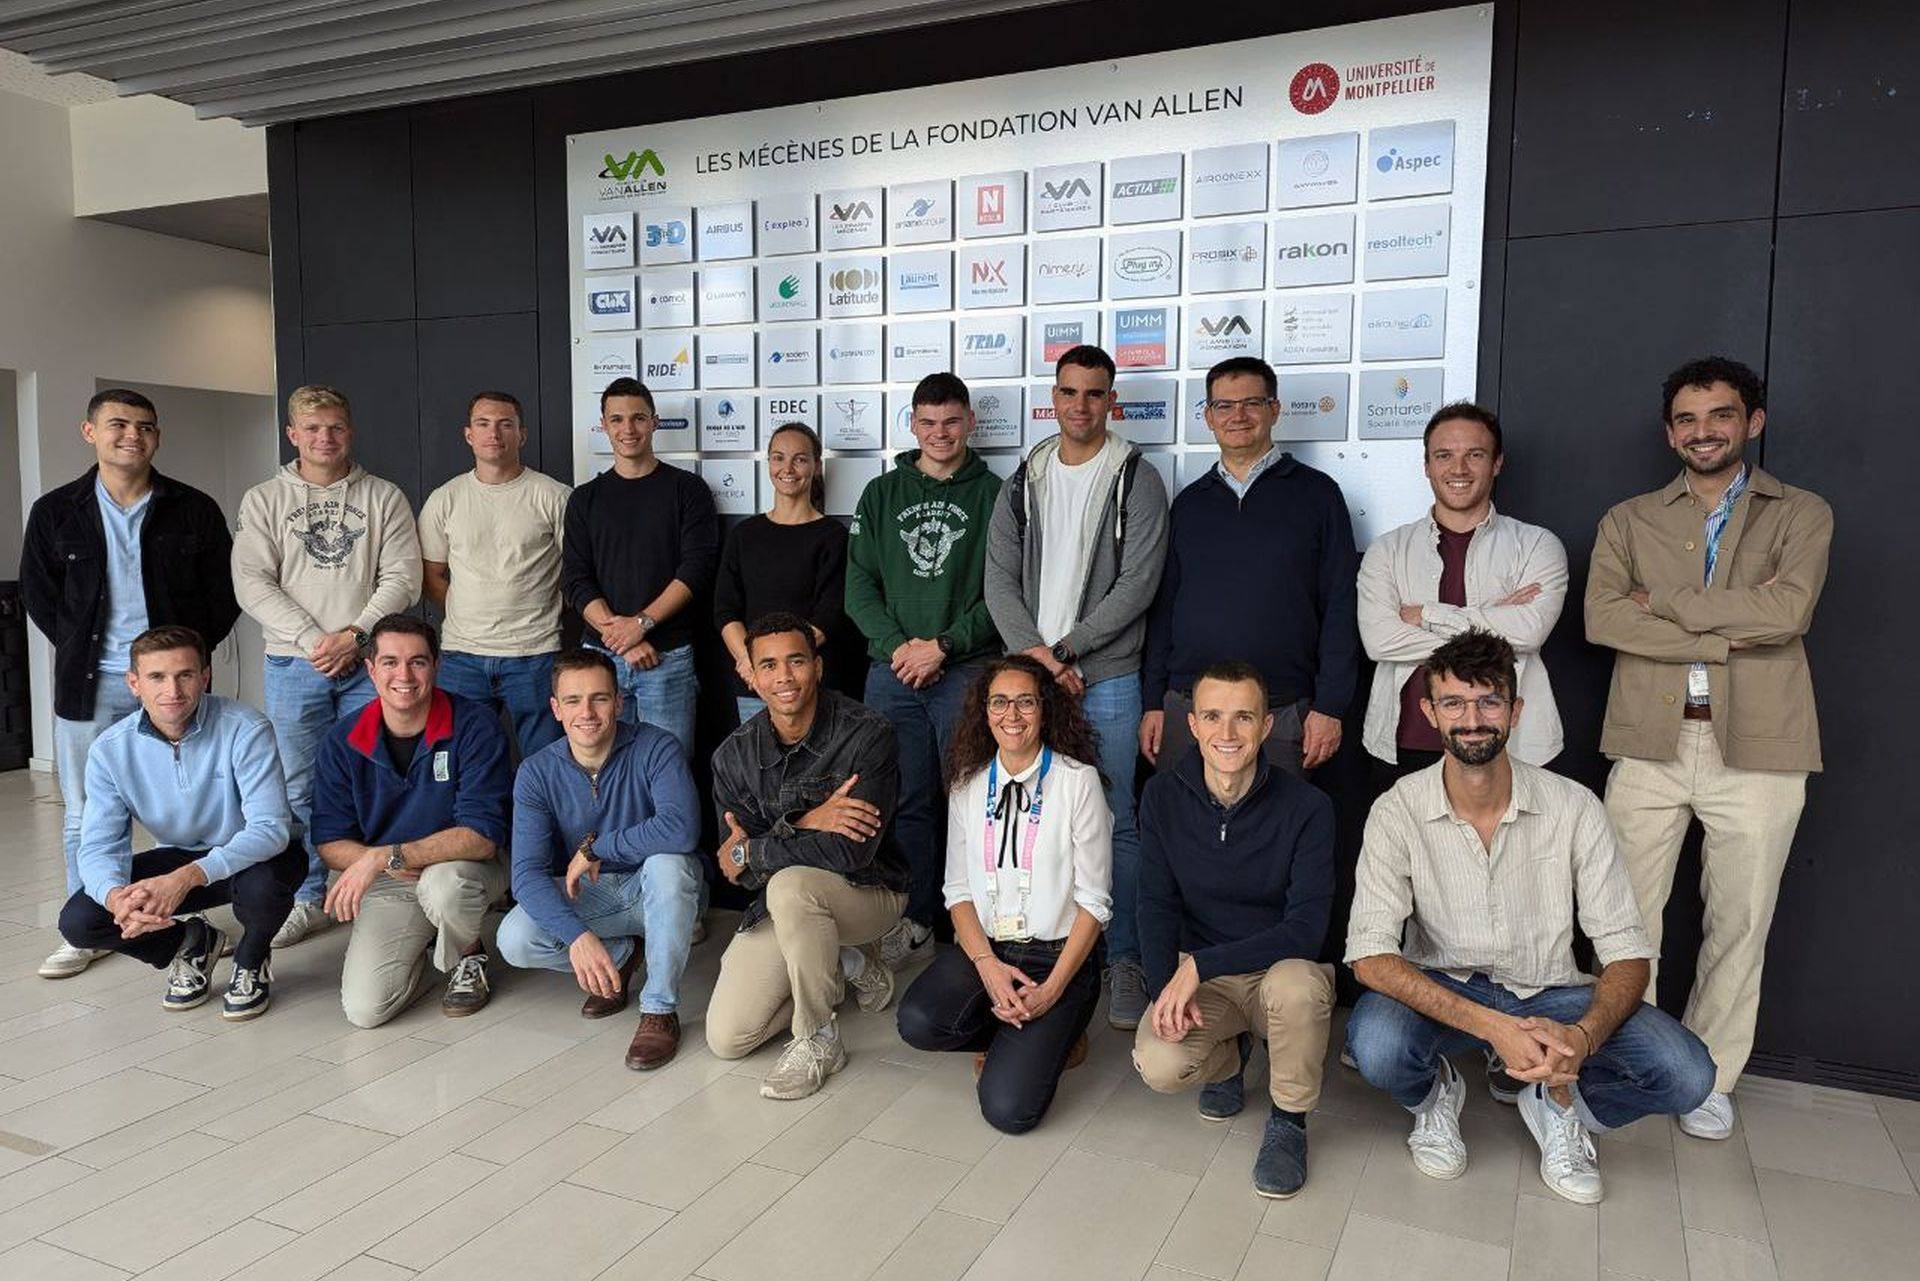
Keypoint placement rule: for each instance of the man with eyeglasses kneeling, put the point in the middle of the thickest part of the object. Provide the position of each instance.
(1486, 863)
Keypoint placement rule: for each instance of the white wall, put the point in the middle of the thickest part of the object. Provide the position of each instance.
(134, 153)
(85, 300)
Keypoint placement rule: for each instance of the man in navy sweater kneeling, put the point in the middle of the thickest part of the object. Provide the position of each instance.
(1236, 884)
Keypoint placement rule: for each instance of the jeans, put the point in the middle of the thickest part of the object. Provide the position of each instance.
(303, 705)
(1113, 708)
(923, 722)
(261, 894)
(947, 1008)
(520, 686)
(663, 696)
(71, 739)
(658, 903)
(1651, 1065)
(748, 708)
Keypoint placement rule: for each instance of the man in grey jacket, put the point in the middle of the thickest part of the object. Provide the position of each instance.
(1074, 553)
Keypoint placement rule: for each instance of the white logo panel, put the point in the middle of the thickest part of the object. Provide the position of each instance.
(919, 282)
(788, 224)
(666, 298)
(989, 348)
(725, 231)
(789, 357)
(1057, 332)
(726, 421)
(1405, 242)
(726, 296)
(726, 359)
(1066, 270)
(920, 213)
(916, 348)
(992, 204)
(606, 240)
(1226, 257)
(1316, 171)
(1316, 250)
(1143, 264)
(1229, 180)
(1067, 197)
(1144, 188)
(666, 236)
(1404, 324)
(991, 276)
(1311, 329)
(853, 353)
(1410, 160)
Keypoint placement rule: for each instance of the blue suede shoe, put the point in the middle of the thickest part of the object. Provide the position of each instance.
(1223, 1100)
(1281, 1168)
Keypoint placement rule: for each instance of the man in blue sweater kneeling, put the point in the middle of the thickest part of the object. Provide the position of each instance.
(605, 825)
(1236, 883)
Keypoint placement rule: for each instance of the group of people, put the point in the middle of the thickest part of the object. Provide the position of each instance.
(1024, 643)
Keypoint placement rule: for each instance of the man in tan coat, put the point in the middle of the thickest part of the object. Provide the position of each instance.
(1705, 588)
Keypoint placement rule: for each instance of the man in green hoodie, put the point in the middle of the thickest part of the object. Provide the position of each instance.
(916, 575)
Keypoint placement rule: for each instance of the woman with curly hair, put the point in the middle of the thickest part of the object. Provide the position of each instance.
(1029, 887)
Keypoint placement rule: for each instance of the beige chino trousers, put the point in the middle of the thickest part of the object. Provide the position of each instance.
(1290, 1006)
(387, 950)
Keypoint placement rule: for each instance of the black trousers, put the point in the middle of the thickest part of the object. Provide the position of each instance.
(947, 1008)
(261, 895)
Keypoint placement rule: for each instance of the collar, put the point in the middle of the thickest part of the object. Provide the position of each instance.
(1759, 481)
(1192, 770)
(1033, 767)
(364, 737)
(1435, 804)
(769, 751)
(147, 727)
(1435, 528)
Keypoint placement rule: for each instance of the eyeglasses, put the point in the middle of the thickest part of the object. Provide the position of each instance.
(1453, 707)
(1000, 704)
(1252, 404)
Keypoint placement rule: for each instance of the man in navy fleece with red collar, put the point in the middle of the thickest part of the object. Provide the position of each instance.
(410, 808)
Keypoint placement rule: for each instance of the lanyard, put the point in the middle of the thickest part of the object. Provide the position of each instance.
(990, 847)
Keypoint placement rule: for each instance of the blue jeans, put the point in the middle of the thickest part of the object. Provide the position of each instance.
(923, 723)
(1113, 709)
(658, 904)
(748, 708)
(663, 696)
(303, 705)
(1651, 1065)
(71, 739)
(521, 686)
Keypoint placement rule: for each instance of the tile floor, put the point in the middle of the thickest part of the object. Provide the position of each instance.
(514, 1144)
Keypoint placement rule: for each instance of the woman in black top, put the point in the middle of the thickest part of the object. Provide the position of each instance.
(792, 559)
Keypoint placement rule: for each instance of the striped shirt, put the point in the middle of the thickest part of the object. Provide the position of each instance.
(1507, 913)
(1716, 525)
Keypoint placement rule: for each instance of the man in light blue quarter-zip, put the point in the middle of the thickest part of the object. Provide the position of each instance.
(606, 824)
(202, 774)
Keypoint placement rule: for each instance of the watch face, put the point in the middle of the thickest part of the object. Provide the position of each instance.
(739, 854)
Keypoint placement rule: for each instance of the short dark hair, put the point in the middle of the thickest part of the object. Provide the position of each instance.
(120, 396)
(1470, 412)
(158, 640)
(1086, 356)
(505, 397)
(1707, 371)
(1233, 671)
(941, 389)
(580, 659)
(1244, 365)
(1477, 657)
(627, 387)
(778, 624)
(403, 625)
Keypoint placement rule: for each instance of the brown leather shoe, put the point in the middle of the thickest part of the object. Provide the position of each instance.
(1077, 1054)
(654, 1042)
(599, 1007)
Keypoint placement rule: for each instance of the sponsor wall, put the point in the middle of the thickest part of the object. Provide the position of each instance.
(1313, 198)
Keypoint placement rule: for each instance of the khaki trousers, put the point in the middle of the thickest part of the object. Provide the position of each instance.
(388, 948)
(1290, 1006)
(1749, 818)
(786, 969)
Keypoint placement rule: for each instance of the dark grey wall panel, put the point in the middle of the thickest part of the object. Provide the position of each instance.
(376, 365)
(473, 208)
(1649, 113)
(284, 257)
(1852, 109)
(356, 219)
(458, 358)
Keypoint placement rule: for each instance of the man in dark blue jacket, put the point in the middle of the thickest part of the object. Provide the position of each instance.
(606, 824)
(1260, 566)
(410, 807)
(1236, 883)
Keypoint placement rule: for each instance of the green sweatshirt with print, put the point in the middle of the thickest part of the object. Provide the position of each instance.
(917, 559)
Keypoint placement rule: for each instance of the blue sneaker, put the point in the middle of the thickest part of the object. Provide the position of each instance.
(191, 974)
(249, 993)
(1281, 1168)
(1223, 1100)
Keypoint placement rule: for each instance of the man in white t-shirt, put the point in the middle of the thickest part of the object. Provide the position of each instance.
(490, 555)
(1074, 553)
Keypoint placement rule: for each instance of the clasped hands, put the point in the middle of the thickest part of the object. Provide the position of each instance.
(1017, 997)
(1539, 1050)
(148, 905)
(624, 636)
(917, 663)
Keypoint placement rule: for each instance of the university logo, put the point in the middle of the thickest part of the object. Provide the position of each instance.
(1315, 87)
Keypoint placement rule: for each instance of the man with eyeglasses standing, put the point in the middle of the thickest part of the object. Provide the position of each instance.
(1260, 566)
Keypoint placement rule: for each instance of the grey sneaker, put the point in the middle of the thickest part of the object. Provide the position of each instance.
(1127, 997)
(303, 922)
(873, 986)
(1711, 1120)
(67, 960)
(804, 1067)
(191, 976)
(903, 942)
(467, 988)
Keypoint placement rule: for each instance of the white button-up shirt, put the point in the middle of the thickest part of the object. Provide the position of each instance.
(1072, 854)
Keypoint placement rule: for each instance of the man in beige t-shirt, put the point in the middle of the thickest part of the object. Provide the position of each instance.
(490, 556)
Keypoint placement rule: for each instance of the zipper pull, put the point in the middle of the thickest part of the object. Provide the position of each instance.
(1223, 831)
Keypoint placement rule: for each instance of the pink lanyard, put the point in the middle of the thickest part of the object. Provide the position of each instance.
(990, 850)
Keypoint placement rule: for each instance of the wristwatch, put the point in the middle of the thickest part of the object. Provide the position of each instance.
(945, 643)
(396, 861)
(646, 623)
(359, 636)
(585, 849)
(1063, 653)
(738, 854)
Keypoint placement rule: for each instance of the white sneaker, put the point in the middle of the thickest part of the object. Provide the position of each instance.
(804, 1067)
(303, 922)
(1711, 1120)
(1568, 1164)
(68, 960)
(904, 942)
(1438, 1150)
(873, 985)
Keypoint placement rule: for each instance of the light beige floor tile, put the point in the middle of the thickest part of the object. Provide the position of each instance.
(1717, 1191)
(403, 1101)
(318, 1090)
(42, 1262)
(1220, 1220)
(1649, 1131)
(804, 1235)
(1712, 1257)
(1092, 1218)
(1278, 1259)
(871, 1088)
(207, 1108)
(1824, 1230)
(52, 1014)
(99, 1107)
(1338, 1149)
(367, 1268)
(86, 1195)
(1902, 1118)
(426, 1240)
(292, 1026)
(656, 1093)
(223, 1254)
(939, 1115)
(1374, 1249)
(82, 1038)
(582, 1100)
(1477, 1205)
(1821, 1133)
(34, 1089)
(675, 1159)
(567, 1233)
(699, 1231)
(1640, 1225)
(579, 1061)
(24, 1183)
(942, 1248)
(1555, 1240)
(999, 1181)
(1164, 1130)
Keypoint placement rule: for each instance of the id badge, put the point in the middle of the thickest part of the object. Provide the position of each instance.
(1697, 686)
(441, 771)
(1008, 928)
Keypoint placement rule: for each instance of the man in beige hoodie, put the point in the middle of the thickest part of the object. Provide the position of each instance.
(322, 552)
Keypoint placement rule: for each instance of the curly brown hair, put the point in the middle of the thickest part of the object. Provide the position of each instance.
(1063, 726)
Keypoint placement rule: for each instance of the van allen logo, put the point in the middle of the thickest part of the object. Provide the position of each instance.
(1315, 87)
(1225, 326)
(610, 236)
(642, 173)
(990, 205)
(1392, 79)
(610, 302)
(857, 212)
(990, 273)
(1143, 263)
(1139, 187)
